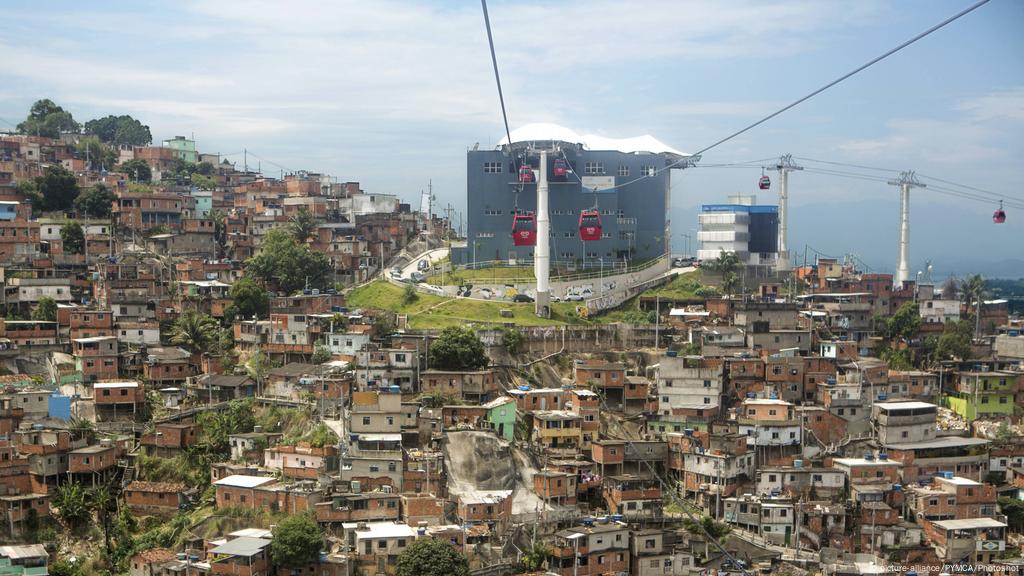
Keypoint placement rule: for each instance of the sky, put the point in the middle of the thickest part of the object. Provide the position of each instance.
(392, 93)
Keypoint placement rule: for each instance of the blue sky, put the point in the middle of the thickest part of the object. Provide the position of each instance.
(392, 93)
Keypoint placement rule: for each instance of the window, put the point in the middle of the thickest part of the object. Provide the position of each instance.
(648, 170)
(593, 167)
(382, 543)
(391, 466)
(489, 212)
(374, 468)
(623, 170)
(492, 167)
(366, 420)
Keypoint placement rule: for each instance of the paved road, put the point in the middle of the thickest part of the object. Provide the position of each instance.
(430, 255)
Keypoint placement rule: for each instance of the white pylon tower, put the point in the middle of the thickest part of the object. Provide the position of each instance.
(542, 255)
(784, 166)
(906, 181)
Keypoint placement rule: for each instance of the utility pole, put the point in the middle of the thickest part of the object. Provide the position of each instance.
(906, 181)
(784, 166)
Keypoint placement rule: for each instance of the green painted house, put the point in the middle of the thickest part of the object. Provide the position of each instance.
(501, 415)
(984, 395)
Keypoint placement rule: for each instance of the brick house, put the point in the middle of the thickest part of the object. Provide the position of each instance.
(166, 497)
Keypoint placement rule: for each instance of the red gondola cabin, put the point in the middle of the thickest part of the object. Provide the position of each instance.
(560, 169)
(524, 230)
(764, 183)
(526, 174)
(590, 225)
(999, 216)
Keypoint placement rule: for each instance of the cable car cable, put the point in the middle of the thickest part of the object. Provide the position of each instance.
(853, 72)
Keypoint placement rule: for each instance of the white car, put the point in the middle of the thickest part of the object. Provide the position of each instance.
(574, 297)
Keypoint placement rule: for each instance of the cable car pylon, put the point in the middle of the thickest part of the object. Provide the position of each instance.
(785, 165)
(906, 181)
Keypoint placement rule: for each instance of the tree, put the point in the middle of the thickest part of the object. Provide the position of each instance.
(196, 331)
(58, 189)
(533, 557)
(30, 191)
(431, 557)
(512, 340)
(46, 310)
(119, 130)
(284, 262)
(955, 341)
(205, 168)
(48, 119)
(297, 541)
(409, 295)
(1014, 510)
(98, 155)
(321, 354)
(973, 292)
(458, 348)
(100, 500)
(203, 182)
(725, 263)
(709, 529)
(949, 288)
(73, 237)
(218, 425)
(904, 324)
(137, 169)
(81, 428)
(72, 504)
(248, 299)
(303, 225)
(97, 202)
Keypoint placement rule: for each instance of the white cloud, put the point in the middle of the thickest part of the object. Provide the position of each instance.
(999, 105)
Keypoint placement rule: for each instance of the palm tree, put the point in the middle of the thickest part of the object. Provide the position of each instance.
(707, 526)
(303, 225)
(972, 290)
(195, 331)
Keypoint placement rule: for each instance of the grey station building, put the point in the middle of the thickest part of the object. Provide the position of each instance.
(626, 180)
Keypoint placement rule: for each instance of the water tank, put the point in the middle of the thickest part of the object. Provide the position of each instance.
(180, 556)
(773, 396)
(883, 456)
(588, 521)
(671, 353)
(688, 431)
(38, 427)
(869, 456)
(897, 487)
(947, 475)
(751, 395)
(353, 437)
(307, 292)
(193, 557)
(421, 531)
(523, 388)
(316, 291)
(602, 519)
(883, 396)
(798, 463)
(257, 428)
(617, 517)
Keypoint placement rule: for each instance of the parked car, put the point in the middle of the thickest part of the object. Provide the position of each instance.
(574, 297)
(417, 277)
(522, 298)
(423, 265)
(396, 272)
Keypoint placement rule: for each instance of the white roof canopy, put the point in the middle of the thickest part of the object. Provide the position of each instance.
(540, 132)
